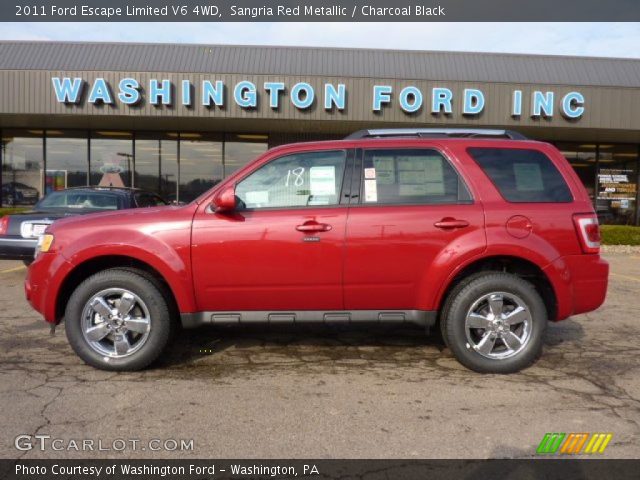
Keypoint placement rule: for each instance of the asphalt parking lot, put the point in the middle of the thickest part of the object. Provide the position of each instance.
(324, 392)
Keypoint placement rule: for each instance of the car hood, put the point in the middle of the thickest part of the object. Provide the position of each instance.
(139, 227)
(137, 216)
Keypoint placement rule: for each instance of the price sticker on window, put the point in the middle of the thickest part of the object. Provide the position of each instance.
(322, 180)
(370, 191)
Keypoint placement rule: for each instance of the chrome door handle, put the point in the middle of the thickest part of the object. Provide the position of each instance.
(313, 227)
(447, 223)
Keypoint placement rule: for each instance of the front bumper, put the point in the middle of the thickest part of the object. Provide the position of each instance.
(17, 248)
(45, 278)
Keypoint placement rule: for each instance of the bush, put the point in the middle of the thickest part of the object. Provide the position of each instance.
(10, 210)
(620, 235)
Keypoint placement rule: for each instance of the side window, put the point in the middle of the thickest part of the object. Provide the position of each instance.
(411, 176)
(522, 175)
(298, 180)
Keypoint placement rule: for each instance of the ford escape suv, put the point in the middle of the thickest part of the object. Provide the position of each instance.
(481, 232)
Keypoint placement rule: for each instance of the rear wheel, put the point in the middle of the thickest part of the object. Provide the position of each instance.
(494, 322)
(118, 319)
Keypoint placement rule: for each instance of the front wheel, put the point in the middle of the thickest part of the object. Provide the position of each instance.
(118, 320)
(494, 322)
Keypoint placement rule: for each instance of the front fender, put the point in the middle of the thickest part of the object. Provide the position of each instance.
(165, 250)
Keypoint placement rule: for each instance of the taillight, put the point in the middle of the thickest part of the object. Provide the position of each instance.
(588, 231)
(4, 225)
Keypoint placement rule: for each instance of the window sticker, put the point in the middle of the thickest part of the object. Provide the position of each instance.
(407, 177)
(370, 173)
(410, 163)
(434, 188)
(434, 171)
(528, 177)
(323, 180)
(420, 176)
(318, 201)
(370, 191)
(384, 170)
(260, 197)
(413, 190)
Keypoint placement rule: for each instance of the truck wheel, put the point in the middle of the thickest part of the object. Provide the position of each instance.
(118, 320)
(494, 322)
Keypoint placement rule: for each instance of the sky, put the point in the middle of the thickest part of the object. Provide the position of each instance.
(584, 39)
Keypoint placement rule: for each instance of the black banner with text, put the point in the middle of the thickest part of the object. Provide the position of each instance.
(319, 11)
(550, 469)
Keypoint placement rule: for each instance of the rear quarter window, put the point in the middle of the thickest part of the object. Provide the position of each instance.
(522, 175)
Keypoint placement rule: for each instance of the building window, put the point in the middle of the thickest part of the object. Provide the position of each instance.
(156, 161)
(22, 167)
(617, 184)
(67, 160)
(200, 164)
(241, 149)
(582, 157)
(111, 159)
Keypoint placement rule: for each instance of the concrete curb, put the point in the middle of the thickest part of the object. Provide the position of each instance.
(620, 249)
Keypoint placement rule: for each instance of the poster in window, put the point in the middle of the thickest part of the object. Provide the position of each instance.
(112, 169)
(55, 180)
(616, 184)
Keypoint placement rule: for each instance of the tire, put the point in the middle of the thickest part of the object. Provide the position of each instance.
(28, 261)
(140, 340)
(515, 345)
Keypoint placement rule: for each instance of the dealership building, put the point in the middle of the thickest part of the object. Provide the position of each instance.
(176, 119)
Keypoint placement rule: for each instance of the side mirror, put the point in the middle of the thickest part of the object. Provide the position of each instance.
(225, 201)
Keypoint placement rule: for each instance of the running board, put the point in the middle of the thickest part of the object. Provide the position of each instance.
(422, 318)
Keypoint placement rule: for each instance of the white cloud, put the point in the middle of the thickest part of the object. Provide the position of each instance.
(595, 39)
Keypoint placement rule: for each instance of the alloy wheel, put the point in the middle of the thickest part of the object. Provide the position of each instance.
(498, 325)
(115, 322)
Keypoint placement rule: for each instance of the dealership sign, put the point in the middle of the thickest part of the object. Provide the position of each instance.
(303, 96)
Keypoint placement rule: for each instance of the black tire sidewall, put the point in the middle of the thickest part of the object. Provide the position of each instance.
(159, 333)
(463, 299)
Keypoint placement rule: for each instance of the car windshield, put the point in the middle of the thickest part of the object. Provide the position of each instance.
(81, 199)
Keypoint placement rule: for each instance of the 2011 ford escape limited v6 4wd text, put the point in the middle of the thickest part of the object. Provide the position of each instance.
(483, 232)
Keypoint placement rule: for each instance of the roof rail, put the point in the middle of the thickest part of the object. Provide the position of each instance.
(435, 132)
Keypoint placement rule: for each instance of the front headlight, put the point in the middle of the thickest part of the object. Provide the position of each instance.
(44, 243)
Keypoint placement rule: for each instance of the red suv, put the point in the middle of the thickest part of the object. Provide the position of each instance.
(483, 232)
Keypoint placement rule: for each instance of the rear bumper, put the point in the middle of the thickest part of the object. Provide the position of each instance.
(17, 248)
(580, 283)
